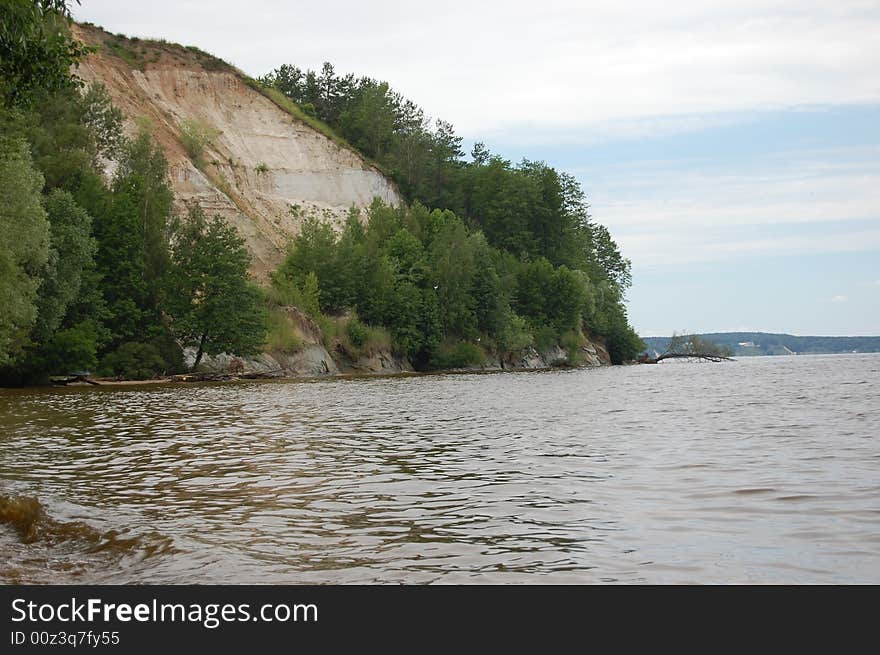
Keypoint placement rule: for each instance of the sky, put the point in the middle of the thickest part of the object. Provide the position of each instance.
(732, 148)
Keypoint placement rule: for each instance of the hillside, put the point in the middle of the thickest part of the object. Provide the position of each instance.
(231, 148)
(764, 343)
(143, 204)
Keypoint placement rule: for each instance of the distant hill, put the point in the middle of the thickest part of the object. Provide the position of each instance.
(765, 343)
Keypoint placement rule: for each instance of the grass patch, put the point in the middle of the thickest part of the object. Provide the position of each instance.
(208, 61)
(195, 136)
(118, 49)
(352, 336)
(281, 334)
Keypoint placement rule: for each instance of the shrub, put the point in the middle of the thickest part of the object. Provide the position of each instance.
(281, 335)
(262, 168)
(357, 332)
(514, 334)
(134, 361)
(458, 354)
(170, 352)
(545, 338)
(330, 328)
(196, 136)
(572, 342)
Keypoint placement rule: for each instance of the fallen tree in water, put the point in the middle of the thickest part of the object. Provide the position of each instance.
(690, 346)
(705, 356)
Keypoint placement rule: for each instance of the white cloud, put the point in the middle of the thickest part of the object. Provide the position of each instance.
(671, 214)
(839, 299)
(677, 249)
(505, 64)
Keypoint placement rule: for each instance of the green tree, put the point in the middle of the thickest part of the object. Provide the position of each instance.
(24, 247)
(453, 266)
(369, 121)
(132, 232)
(36, 50)
(71, 252)
(212, 303)
(314, 250)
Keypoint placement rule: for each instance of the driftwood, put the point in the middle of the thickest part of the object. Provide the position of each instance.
(75, 377)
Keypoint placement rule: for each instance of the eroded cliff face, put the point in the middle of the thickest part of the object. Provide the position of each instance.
(262, 169)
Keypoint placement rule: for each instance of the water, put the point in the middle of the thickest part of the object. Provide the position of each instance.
(759, 470)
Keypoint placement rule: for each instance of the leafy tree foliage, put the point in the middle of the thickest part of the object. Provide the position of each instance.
(36, 51)
(211, 302)
(531, 211)
(71, 252)
(85, 266)
(24, 248)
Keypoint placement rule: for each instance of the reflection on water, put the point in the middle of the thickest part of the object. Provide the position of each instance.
(760, 470)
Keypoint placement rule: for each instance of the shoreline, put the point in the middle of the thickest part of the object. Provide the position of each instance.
(186, 379)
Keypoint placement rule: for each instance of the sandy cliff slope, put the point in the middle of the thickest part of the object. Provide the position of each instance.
(263, 169)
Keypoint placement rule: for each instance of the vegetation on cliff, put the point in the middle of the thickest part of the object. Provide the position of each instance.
(530, 264)
(98, 275)
(101, 275)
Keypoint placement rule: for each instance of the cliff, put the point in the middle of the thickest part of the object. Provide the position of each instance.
(231, 149)
(249, 155)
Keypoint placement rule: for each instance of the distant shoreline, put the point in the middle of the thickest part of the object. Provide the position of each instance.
(750, 344)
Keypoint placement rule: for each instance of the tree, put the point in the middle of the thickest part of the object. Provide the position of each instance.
(143, 176)
(36, 51)
(71, 252)
(211, 302)
(453, 266)
(24, 247)
(314, 250)
(132, 235)
(369, 121)
(613, 265)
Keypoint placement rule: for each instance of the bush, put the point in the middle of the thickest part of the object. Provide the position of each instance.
(358, 333)
(286, 292)
(195, 137)
(134, 361)
(170, 352)
(460, 354)
(330, 328)
(514, 334)
(623, 342)
(281, 335)
(572, 342)
(545, 338)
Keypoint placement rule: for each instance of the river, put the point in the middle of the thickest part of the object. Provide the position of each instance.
(762, 470)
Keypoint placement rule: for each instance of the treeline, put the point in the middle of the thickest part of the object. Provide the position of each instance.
(101, 275)
(96, 275)
(534, 219)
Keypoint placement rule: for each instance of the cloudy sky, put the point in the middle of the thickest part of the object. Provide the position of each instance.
(732, 148)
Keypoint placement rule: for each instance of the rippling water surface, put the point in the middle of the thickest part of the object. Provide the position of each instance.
(759, 470)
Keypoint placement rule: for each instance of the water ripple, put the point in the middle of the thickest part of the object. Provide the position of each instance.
(761, 470)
